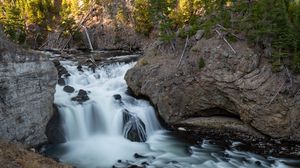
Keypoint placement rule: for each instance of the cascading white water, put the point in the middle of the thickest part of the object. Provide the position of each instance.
(102, 114)
(96, 130)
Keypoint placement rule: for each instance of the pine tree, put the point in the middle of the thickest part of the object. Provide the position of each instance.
(142, 17)
(12, 21)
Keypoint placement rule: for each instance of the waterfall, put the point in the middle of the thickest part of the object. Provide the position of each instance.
(109, 110)
(112, 128)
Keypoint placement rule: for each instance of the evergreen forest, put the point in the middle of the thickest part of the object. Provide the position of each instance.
(272, 25)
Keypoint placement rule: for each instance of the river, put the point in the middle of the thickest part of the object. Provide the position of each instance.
(98, 130)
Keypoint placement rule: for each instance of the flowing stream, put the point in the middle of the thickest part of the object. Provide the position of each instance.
(98, 130)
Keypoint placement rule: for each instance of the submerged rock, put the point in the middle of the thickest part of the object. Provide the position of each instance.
(136, 155)
(56, 63)
(117, 97)
(93, 67)
(27, 86)
(133, 127)
(62, 71)
(81, 96)
(69, 89)
(79, 68)
(61, 82)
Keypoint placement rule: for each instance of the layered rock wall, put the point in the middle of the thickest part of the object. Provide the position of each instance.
(27, 86)
(237, 91)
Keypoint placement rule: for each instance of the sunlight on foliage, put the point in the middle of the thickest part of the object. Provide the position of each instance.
(272, 25)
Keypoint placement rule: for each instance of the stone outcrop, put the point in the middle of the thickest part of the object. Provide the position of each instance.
(212, 81)
(81, 97)
(27, 86)
(133, 127)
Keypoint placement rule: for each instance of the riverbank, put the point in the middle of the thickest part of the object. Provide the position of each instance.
(15, 155)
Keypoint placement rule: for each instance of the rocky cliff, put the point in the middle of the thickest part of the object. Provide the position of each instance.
(27, 86)
(214, 89)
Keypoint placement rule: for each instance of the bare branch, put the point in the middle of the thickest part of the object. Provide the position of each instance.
(88, 37)
(297, 93)
(289, 75)
(223, 28)
(219, 33)
(276, 93)
(183, 52)
(78, 26)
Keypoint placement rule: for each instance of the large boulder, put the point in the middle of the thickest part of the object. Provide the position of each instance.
(212, 81)
(27, 86)
(133, 127)
(81, 97)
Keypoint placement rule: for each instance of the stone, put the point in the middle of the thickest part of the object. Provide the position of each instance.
(67, 74)
(56, 63)
(117, 97)
(27, 86)
(133, 127)
(219, 123)
(79, 68)
(138, 156)
(61, 82)
(199, 34)
(61, 71)
(258, 163)
(69, 89)
(81, 96)
(93, 67)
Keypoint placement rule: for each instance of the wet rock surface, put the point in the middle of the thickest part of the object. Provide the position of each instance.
(130, 164)
(69, 89)
(61, 81)
(81, 97)
(242, 86)
(79, 68)
(54, 130)
(243, 141)
(27, 86)
(133, 127)
(117, 97)
(62, 71)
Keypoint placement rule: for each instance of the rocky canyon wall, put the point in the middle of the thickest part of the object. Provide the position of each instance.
(216, 90)
(27, 86)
